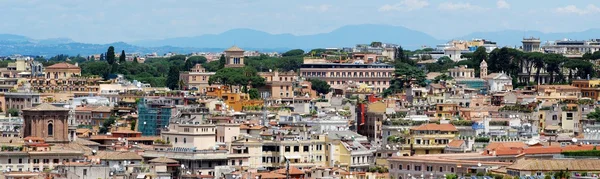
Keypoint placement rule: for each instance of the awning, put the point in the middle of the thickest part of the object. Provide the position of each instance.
(292, 157)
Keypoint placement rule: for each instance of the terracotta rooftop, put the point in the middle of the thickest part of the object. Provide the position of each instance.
(102, 109)
(293, 171)
(435, 127)
(46, 107)
(555, 165)
(84, 108)
(496, 145)
(63, 65)
(456, 143)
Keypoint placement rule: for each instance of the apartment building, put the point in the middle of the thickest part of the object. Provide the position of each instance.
(376, 76)
(196, 79)
(431, 138)
(280, 84)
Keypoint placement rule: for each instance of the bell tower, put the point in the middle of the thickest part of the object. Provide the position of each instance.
(483, 70)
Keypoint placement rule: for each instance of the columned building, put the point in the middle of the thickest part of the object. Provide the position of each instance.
(48, 122)
(531, 44)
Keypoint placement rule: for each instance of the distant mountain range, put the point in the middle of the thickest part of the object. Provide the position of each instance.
(249, 39)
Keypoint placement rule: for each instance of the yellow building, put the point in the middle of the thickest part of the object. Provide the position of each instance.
(446, 110)
(235, 101)
(349, 150)
(431, 138)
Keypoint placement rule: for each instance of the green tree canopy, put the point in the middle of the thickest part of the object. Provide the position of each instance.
(594, 115)
(320, 86)
(294, 52)
(12, 112)
(192, 61)
(254, 93)
(442, 77)
(106, 124)
(405, 76)
(122, 57)
(241, 77)
(173, 78)
(110, 55)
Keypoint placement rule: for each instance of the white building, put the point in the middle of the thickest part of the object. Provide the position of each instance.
(497, 82)
(575, 48)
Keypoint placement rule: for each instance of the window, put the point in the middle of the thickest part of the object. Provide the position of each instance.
(20, 160)
(306, 148)
(399, 167)
(441, 169)
(296, 148)
(9, 161)
(407, 167)
(175, 139)
(240, 162)
(287, 148)
(50, 129)
(55, 161)
(184, 140)
(452, 170)
(84, 172)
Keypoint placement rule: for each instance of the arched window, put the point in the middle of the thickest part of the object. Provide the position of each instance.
(50, 129)
(175, 139)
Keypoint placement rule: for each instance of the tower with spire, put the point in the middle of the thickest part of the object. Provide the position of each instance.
(483, 70)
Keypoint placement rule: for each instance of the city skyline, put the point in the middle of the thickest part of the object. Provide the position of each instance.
(130, 21)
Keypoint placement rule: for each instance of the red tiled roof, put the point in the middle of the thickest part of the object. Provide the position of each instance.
(293, 171)
(435, 127)
(508, 151)
(542, 150)
(496, 145)
(456, 143)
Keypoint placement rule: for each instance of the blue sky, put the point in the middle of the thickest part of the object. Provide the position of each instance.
(105, 21)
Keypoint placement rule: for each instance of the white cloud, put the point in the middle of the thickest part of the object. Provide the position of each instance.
(459, 6)
(405, 5)
(572, 9)
(502, 4)
(320, 8)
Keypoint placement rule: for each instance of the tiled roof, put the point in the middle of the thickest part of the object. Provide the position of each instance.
(102, 109)
(456, 143)
(435, 127)
(110, 155)
(556, 165)
(46, 107)
(496, 145)
(84, 108)
(293, 171)
(163, 160)
(234, 49)
(63, 65)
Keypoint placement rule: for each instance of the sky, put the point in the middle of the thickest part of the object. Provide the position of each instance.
(106, 21)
